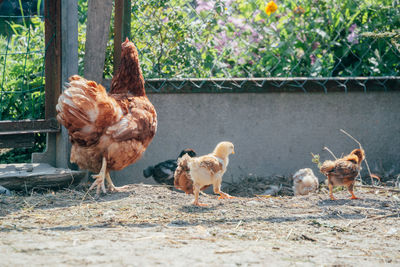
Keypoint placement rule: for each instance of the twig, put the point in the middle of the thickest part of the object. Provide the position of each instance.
(303, 236)
(239, 223)
(384, 216)
(287, 237)
(380, 188)
(365, 159)
(327, 149)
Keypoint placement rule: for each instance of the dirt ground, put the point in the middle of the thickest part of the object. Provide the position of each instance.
(152, 225)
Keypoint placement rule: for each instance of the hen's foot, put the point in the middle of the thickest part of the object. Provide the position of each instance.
(354, 197)
(115, 189)
(225, 196)
(196, 203)
(333, 198)
(99, 183)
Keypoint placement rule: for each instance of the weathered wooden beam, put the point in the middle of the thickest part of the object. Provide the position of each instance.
(17, 141)
(97, 36)
(122, 27)
(52, 23)
(26, 176)
(29, 126)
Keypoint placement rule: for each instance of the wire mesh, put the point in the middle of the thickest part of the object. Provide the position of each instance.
(244, 39)
(22, 54)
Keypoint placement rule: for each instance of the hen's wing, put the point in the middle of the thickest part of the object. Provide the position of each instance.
(139, 121)
(86, 110)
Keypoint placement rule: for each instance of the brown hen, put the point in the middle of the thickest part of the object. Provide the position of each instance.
(108, 131)
(343, 171)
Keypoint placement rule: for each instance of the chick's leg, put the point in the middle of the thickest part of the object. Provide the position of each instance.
(196, 191)
(222, 195)
(330, 191)
(350, 188)
(100, 178)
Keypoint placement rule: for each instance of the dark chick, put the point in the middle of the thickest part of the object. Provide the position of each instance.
(343, 171)
(163, 172)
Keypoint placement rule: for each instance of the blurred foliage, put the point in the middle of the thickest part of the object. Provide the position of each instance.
(312, 38)
(236, 38)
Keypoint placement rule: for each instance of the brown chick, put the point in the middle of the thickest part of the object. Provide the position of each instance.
(209, 169)
(343, 171)
(182, 178)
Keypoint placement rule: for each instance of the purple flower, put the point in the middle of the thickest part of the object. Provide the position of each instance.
(352, 27)
(241, 61)
(165, 20)
(221, 41)
(353, 36)
(229, 2)
(313, 59)
(255, 37)
(199, 46)
(204, 5)
(315, 45)
(238, 22)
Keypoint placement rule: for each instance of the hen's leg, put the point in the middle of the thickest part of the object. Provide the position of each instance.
(196, 191)
(330, 191)
(350, 188)
(111, 185)
(100, 178)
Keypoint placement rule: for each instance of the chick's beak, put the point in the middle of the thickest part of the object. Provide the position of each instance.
(233, 151)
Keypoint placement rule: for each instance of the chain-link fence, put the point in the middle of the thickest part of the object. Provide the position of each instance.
(234, 38)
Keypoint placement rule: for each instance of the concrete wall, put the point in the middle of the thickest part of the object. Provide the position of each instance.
(273, 133)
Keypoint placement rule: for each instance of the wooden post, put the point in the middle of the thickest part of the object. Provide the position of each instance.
(52, 11)
(52, 36)
(61, 62)
(122, 27)
(69, 66)
(97, 36)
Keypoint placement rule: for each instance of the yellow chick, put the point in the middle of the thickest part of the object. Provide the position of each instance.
(209, 169)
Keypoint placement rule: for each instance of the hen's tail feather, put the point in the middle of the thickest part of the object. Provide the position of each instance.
(85, 108)
(148, 171)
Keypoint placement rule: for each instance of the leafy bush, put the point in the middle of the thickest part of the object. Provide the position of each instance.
(316, 38)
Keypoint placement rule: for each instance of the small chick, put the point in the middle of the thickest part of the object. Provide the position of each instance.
(304, 182)
(163, 172)
(209, 169)
(182, 178)
(343, 171)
